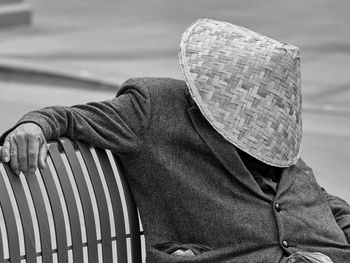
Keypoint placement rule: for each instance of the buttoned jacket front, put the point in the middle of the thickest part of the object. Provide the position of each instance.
(190, 185)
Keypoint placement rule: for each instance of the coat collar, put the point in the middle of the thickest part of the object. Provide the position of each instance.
(225, 152)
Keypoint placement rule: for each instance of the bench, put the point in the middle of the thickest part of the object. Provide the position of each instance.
(78, 209)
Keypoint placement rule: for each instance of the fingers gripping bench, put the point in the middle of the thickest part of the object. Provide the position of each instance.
(78, 209)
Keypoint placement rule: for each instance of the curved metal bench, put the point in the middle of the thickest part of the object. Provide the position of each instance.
(77, 209)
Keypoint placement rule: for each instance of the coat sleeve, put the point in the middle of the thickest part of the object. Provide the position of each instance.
(118, 124)
(341, 213)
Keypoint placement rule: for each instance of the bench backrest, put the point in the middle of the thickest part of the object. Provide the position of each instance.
(78, 209)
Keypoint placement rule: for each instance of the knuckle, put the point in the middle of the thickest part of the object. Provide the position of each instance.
(32, 166)
(23, 168)
(22, 158)
(33, 157)
(32, 135)
(5, 147)
(20, 134)
(32, 153)
(11, 138)
(22, 164)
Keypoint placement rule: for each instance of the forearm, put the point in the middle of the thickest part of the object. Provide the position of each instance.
(82, 122)
(118, 124)
(55, 121)
(71, 122)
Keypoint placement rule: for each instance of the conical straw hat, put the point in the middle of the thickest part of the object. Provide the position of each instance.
(247, 86)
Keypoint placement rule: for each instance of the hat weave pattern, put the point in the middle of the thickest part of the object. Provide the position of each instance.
(247, 86)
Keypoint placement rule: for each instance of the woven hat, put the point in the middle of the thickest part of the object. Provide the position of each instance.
(247, 86)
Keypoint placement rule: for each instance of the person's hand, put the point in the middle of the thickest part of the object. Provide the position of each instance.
(25, 148)
(182, 252)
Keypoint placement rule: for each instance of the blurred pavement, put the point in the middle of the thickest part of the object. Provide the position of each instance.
(81, 50)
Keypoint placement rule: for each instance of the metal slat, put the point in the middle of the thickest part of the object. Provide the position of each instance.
(85, 198)
(60, 228)
(70, 201)
(116, 203)
(101, 203)
(10, 222)
(42, 217)
(57, 211)
(132, 214)
(26, 218)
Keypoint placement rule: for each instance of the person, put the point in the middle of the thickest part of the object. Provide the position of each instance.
(213, 162)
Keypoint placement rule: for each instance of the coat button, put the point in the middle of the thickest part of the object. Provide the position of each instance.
(285, 243)
(277, 207)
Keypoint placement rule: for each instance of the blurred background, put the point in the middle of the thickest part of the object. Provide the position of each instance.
(68, 52)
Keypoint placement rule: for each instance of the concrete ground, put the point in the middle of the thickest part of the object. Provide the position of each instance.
(81, 50)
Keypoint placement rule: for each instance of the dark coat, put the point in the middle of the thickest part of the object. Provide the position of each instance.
(190, 185)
